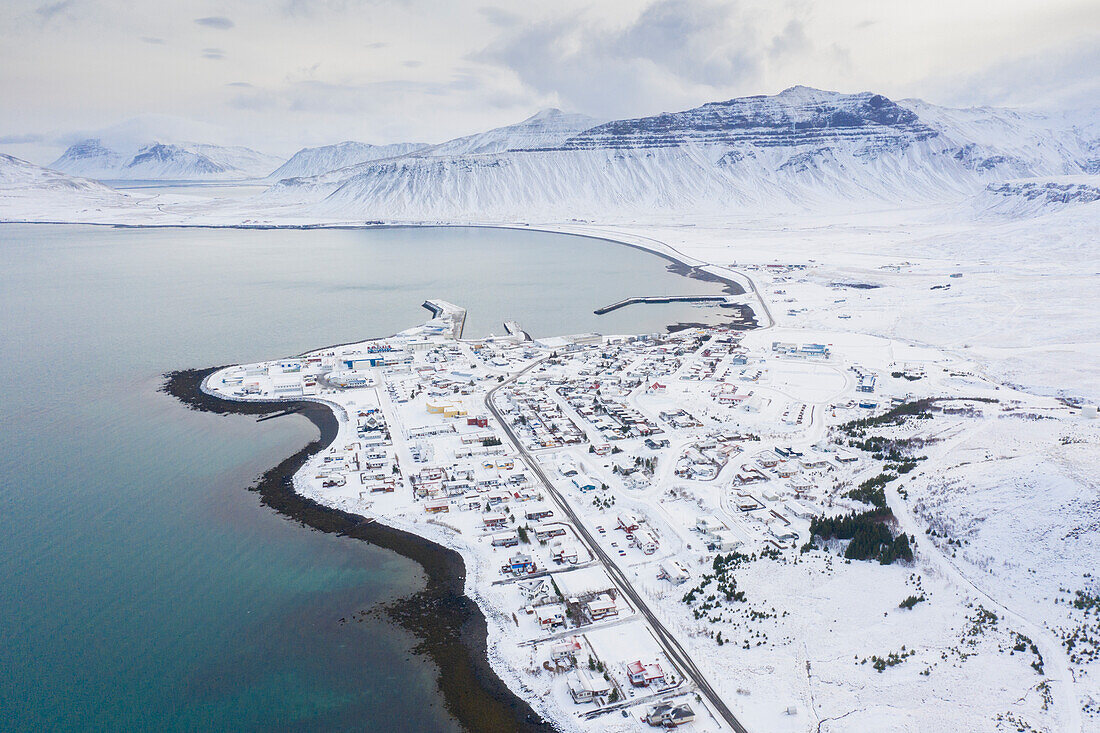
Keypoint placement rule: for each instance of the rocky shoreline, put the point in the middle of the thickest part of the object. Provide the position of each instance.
(449, 626)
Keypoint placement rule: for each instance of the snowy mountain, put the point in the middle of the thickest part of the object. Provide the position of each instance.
(91, 158)
(315, 161)
(803, 149)
(1036, 196)
(28, 191)
(547, 129)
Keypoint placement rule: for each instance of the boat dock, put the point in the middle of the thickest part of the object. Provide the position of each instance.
(514, 329)
(662, 299)
(448, 312)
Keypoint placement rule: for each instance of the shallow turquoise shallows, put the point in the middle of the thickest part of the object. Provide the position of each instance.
(141, 587)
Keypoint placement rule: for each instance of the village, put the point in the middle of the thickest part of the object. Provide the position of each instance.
(589, 479)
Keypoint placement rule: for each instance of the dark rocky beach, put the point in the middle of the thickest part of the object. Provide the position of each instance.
(449, 627)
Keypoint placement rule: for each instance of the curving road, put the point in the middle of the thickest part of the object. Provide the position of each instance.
(672, 647)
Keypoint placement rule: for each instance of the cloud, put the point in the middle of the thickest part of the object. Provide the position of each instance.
(311, 95)
(697, 41)
(500, 17)
(216, 54)
(216, 21)
(376, 44)
(791, 41)
(1063, 79)
(672, 53)
(240, 84)
(22, 139)
(413, 64)
(49, 11)
(152, 40)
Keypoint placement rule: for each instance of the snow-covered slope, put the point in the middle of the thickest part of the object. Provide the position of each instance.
(803, 149)
(1032, 197)
(164, 161)
(28, 191)
(315, 161)
(988, 138)
(547, 129)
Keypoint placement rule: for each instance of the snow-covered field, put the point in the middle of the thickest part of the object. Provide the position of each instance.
(969, 634)
(945, 253)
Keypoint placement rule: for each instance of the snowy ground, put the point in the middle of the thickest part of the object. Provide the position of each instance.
(1000, 502)
(1005, 509)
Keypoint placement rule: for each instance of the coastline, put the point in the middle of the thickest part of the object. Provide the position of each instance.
(734, 282)
(450, 627)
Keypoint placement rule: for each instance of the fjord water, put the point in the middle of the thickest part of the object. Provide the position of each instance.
(141, 587)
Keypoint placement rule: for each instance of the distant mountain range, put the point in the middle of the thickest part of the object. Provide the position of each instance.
(801, 150)
(164, 161)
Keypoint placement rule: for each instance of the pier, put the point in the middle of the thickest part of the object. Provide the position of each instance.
(662, 299)
(515, 330)
(456, 315)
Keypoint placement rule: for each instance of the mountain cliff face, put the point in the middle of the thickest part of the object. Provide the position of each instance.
(315, 161)
(163, 161)
(803, 149)
(798, 117)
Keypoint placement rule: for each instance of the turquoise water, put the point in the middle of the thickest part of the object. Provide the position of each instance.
(142, 587)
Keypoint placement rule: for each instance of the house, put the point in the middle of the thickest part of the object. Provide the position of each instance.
(628, 522)
(493, 519)
(602, 607)
(645, 541)
(674, 572)
(787, 470)
(801, 485)
(438, 506)
(510, 539)
(520, 564)
(722, 540)
(585, 686)
(706, 524)
(565, 552)
(667, 715)
(565, 649)
(546, 532)
(644, 675)
(537, 514)
(784, 534)
(549, 617)
(584, 484)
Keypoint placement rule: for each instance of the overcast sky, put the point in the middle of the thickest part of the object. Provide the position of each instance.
(282, 74)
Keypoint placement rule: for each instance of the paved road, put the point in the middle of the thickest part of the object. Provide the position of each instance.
(672, 647)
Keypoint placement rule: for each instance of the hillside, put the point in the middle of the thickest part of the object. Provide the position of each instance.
(800, 150)
(315, 161)
(28, 191)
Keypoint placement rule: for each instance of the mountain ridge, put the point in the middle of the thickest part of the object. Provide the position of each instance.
(798, 150)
